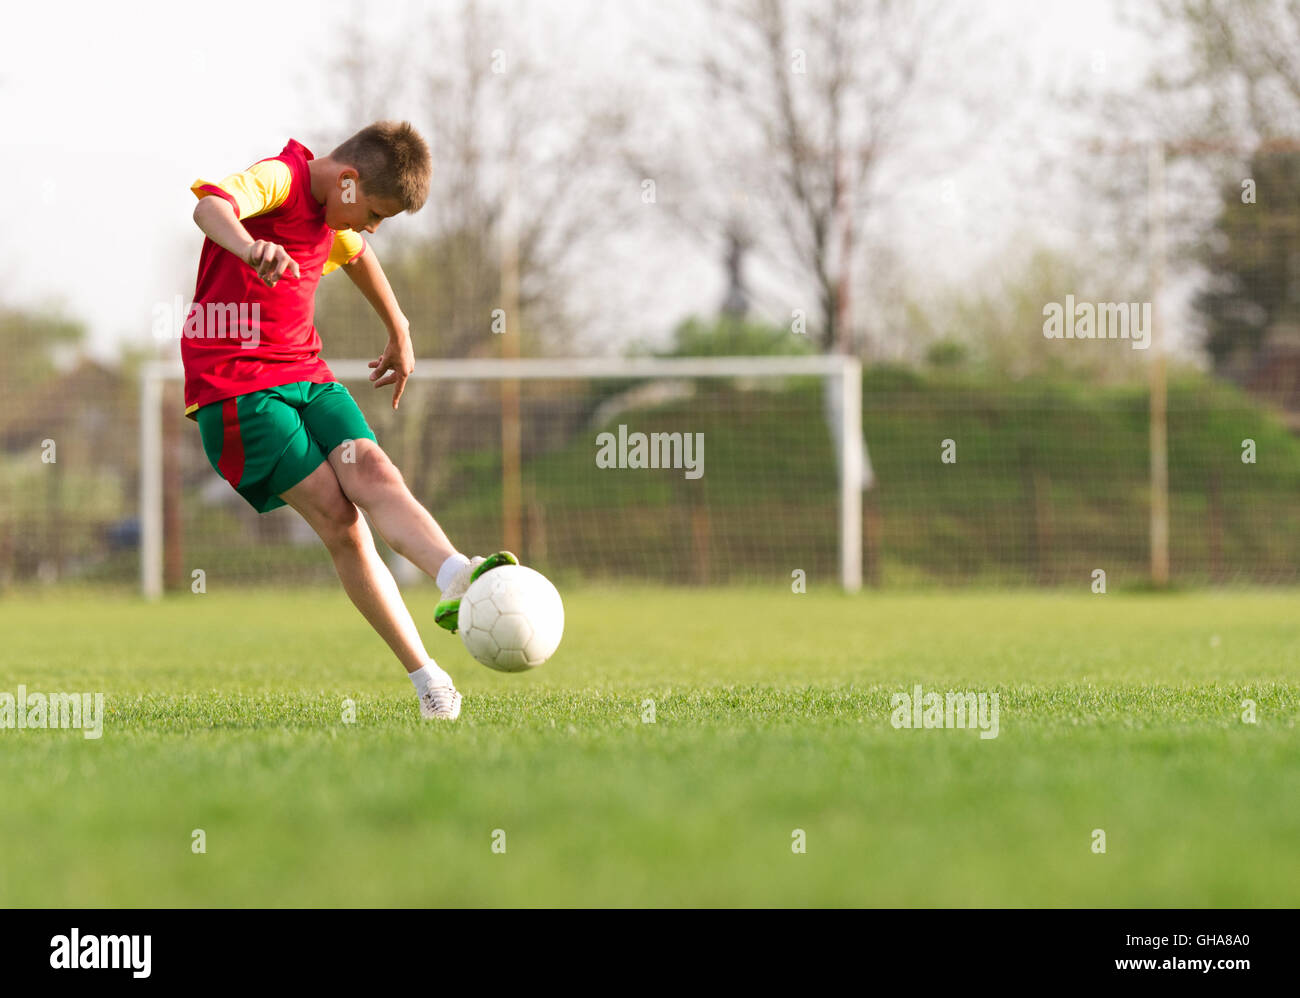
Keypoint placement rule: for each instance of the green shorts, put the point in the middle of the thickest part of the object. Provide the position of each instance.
(266, 442)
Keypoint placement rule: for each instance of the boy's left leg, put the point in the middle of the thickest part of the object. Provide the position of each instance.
(365, 577)
(370, 586)
(261, 445)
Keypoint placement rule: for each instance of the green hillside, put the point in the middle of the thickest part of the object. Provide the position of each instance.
(1050, 483)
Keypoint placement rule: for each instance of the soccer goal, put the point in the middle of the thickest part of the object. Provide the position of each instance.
(708, 470)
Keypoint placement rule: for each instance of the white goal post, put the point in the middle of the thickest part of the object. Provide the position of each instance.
(843, 376)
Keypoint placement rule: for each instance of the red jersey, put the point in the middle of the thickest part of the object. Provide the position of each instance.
(241, 336)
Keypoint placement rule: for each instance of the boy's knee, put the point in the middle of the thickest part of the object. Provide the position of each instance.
(372, 476)
(339, 523)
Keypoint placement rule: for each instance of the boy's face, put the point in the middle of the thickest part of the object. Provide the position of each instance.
(347, 206)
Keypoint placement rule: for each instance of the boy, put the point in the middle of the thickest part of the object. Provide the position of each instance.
(274, 422)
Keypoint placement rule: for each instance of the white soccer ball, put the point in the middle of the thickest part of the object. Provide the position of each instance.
(511, 619)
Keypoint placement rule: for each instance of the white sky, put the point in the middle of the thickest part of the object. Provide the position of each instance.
(110, 111)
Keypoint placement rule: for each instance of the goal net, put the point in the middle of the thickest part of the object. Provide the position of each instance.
(676, 470)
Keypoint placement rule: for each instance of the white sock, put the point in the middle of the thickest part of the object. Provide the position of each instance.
(429, 675)
(449, 569)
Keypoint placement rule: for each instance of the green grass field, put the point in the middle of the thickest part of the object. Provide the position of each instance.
(1120, 712)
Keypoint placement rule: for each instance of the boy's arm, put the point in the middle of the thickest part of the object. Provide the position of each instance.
(219, 223)
(397, 361)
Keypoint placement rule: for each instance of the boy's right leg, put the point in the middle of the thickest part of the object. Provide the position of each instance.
(369, 478)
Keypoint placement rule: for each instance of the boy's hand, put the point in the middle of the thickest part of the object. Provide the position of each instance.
(271, 261)
(394, 365)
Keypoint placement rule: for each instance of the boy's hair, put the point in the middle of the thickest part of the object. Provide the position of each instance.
(392, 161)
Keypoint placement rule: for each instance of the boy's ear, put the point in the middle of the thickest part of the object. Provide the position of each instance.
(350, 185)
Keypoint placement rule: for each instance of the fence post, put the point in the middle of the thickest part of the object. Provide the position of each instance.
(151, 555)
(851, 474)
(1159, 426)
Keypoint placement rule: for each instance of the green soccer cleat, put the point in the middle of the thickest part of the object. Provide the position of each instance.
(447, 613)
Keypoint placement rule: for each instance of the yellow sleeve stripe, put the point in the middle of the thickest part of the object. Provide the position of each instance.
(348, 245)
(259, 189)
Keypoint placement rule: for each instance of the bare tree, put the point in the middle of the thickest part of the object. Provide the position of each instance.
(511, 138)
(505, 129)
(801, 105)
(1236, 62)
(1222, 103)
(517, 134)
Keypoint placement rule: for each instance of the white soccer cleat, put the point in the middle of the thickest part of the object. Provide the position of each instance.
(440, 702)
(460, 582)
(447, 613)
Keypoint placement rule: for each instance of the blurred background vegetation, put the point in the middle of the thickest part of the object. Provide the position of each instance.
(789, 123)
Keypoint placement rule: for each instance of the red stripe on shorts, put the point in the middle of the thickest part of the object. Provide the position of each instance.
(231, 464)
